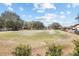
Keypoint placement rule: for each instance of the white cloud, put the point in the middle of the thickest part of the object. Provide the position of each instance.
(44, 6)
(75, 4)
(47, 6)
(68, 12)
(61, 12)
(10, 8)
(50, 16)
(7, 4)
(72, 5)
(23, 15)
(62, 16)
(68, 5)
(47, 17)
(21, 9)
(36, 5)
(40, 11)
(30, 16)
(41, 7)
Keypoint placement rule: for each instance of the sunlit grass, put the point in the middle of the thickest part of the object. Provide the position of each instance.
(9, 39)
(44, 35)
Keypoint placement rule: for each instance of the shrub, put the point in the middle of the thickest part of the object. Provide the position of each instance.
(54, 51)
(22, 50)
(76, 49)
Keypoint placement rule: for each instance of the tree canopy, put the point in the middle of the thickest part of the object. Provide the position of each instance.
(55, 26)
(11, 20)
(34, 25)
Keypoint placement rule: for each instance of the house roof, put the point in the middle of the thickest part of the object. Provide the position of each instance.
(75, 25)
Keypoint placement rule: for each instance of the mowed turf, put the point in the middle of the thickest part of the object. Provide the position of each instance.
(38, 39)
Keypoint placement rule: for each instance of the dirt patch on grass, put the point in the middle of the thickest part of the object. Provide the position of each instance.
(39, 47)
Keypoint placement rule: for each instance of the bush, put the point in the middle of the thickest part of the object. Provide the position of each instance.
(22, 50)
(76, 49)
(54, 51)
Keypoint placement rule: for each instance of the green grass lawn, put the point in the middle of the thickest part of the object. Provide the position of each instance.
(43, 35)
(36, 38)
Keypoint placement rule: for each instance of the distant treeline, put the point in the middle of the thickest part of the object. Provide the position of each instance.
(11, 21)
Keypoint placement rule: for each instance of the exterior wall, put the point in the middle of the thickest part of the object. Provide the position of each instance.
(72, 29)
(77, 27)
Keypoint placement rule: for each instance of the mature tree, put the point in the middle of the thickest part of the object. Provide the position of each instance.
(14, 25)
(25, 26)
(34, 25)
(38, 25)
(12, 20)
(1, 22)
(55, 26)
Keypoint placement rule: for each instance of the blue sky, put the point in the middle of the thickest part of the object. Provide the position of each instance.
(63, 13)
